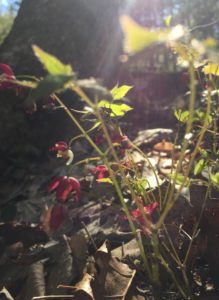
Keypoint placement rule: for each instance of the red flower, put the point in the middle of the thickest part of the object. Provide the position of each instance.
(7, 78)
(99, 139)
(101, 172)
(116, 138)
(137, 216)
(58, 215)
(59, 146)
(125, 142)
(63, 151)
(149, 209)
(206, 86)
(64, 186)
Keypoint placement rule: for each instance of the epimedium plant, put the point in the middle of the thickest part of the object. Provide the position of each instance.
(114, 167)
(201, 118)
(113, 149)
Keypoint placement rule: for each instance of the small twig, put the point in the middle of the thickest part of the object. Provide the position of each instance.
(114, 296)
(208, 130)
(205, 25)
(62, 286)
(123, 233)
(122, 250)
(53, 296)
(89, 236)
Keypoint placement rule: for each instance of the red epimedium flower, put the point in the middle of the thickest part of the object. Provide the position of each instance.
(7, 77)
(58, 215)
(121, 142)
(64, 186)
(99, 139)
(63, 151)
(116, 138)
(59, 146)
(101, 172)
(148, 210)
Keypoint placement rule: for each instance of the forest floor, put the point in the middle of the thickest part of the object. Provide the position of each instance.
(85, 250)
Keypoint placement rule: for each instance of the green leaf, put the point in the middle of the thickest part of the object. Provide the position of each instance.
(199, 166)
(105, 180)
(118, 92)
(204, 153)
(26, 83)
(210, 119)
(200, 116)
(137, 37)
(180, 179)
(104, 103)
(211, 68)
(140, 184)
(215, 178)
(52, 64)
(117, 110)
(96, 124)
(182, 116)
(48, 85)
(210, 42)
(168, 20)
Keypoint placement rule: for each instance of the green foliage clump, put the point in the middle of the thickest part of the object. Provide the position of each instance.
(6, 22)
(113, 149)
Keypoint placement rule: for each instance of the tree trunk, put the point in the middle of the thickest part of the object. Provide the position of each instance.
(84, 33)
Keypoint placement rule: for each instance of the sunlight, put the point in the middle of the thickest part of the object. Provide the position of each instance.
(4, 2)
(109, 157)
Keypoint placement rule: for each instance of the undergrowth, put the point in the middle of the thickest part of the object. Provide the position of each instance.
(148, 208)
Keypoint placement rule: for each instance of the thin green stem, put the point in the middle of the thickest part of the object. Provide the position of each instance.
(118, 190)
(75, 121)
(196, 227)
(150, 164)
(86, 161)
(171, 199)
(175, 280)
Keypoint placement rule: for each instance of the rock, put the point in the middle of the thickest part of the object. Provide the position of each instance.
(149, 137)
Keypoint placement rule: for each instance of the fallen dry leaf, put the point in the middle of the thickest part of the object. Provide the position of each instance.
(164, 146)
(113, 278)
(78, 245)
(35, 284)
(45, 218)
(82, 290)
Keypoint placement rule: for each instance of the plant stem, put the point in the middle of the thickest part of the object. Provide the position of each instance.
(79, 126)
(118, 190)
(171, 199)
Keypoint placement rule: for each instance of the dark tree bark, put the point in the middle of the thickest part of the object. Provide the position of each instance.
(84, 33)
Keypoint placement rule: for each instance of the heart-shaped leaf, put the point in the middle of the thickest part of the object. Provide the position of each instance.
(52, 64)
